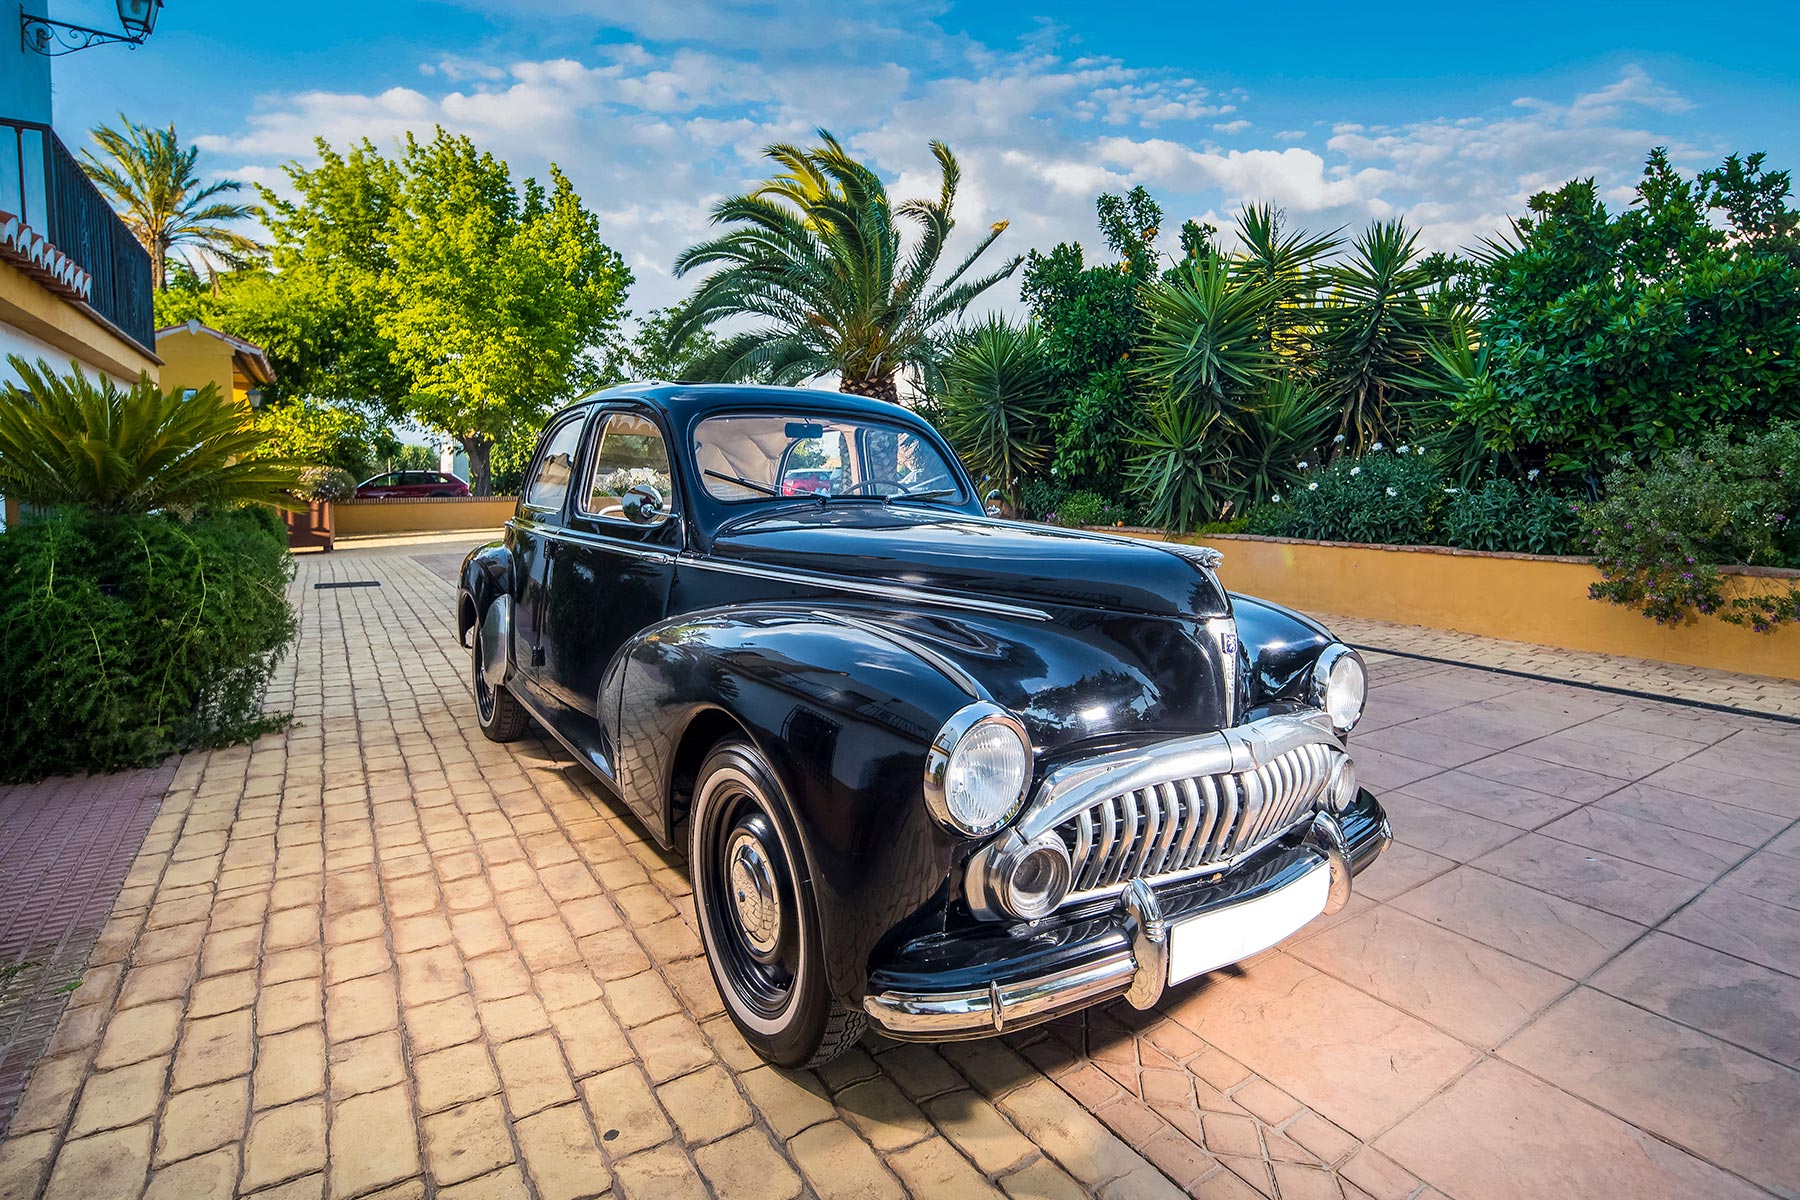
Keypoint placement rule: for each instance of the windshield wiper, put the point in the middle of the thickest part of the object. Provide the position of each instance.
(927, 494)
(754, 486)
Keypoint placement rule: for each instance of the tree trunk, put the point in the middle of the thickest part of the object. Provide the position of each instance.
(479, 447)
(876, 387)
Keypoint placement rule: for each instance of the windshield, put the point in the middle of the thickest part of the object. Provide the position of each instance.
(765, 457)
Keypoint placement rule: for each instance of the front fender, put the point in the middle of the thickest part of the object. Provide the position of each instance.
(486, 572)
(1281, 646)
(844, 712)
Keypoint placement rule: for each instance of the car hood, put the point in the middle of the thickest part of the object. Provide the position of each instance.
(1033, 565)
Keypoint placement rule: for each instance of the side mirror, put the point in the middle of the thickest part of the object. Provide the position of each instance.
(992, 500)
(642, 504)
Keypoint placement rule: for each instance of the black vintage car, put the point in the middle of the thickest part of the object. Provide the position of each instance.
(945, 772)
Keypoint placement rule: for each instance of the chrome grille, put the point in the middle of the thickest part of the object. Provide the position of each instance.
(1184, 825)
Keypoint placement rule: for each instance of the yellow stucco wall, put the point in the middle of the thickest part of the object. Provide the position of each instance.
(73, 332)
(1543, 601)
(351, 518)
(193, 360)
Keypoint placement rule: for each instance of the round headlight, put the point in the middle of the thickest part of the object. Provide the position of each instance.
(1341, 790)
(977, 770)
(1340, 686)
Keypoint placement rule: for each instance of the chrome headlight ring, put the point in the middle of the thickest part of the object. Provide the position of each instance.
(1339, 686)
(976, 727)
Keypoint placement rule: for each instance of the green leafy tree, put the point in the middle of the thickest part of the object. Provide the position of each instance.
(996, 401)
(67, 440)
(818, 255)
(312, 431)
(441, 290)
(1627, 334)
(656, 352)
(150, 178)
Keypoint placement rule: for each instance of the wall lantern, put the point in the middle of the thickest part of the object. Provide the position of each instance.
(41, 34)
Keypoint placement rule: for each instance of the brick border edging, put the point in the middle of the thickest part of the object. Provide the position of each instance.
(54, 917)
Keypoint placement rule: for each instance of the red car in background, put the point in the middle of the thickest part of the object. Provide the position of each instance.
(408, 485)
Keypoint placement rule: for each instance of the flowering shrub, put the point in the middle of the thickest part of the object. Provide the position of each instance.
(1501, 515)
(325, 483)
(1662, 530)
(1388, 497)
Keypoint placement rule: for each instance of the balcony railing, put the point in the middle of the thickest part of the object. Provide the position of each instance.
(43, 185)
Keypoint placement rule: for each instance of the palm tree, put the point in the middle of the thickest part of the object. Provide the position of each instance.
(817, 253)
(149, 177)
(998, 392)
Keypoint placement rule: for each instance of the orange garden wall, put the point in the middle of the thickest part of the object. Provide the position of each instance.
(1519, 597)
(425, 515)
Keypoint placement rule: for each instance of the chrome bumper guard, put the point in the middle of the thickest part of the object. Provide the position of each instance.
(1139, 975)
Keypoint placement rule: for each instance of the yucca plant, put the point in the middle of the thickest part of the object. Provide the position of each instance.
(1375, 330)
(1181, 465)
(67, 440)
(817, 253)
(996, 402)
(1204, 341)
(1276, 437)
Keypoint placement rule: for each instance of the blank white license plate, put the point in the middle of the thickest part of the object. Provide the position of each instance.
(1215, 939)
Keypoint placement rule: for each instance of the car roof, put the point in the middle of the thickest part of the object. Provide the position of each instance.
(688, 402)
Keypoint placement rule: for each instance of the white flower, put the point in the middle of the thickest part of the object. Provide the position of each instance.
(1276, 497)
(1303, 465)
(1449, 491)
(1356, 470)
(1532, 474)
(1312, 487)
(1338, 439)
(1403, 449)
(1376, 446)
(1393, 492)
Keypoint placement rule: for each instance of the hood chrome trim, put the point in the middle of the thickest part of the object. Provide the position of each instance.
(881, 591)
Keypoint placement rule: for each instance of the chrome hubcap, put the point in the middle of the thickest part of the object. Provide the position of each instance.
(755, 899)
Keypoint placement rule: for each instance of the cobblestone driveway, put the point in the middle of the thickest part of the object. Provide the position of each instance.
(381, 956)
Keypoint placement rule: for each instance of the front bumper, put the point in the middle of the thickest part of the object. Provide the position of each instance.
(998, 979)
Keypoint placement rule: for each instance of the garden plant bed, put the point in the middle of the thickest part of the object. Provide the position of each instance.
(1521, 597)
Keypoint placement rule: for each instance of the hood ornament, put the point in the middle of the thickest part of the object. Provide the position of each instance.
(1206, 556)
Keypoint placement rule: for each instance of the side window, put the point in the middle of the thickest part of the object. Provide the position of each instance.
(555, 468)
(629, 452)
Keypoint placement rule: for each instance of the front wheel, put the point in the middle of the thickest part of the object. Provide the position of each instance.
(761, 934)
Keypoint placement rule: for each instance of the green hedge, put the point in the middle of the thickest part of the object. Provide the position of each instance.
(124, 639)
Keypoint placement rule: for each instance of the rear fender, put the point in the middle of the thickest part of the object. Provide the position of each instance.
(486, 573)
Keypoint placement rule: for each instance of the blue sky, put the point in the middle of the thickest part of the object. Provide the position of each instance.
(1449, 115)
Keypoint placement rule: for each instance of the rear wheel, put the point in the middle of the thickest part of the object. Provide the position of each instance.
(501, 717)
(761, 934)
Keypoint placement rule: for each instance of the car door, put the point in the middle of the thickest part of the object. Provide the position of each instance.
(533, 534)
(611, 577)
(378, 488)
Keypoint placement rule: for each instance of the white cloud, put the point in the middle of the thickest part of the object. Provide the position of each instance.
(652, 133)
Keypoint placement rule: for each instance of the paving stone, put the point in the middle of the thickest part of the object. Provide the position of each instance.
(126, 1096)
(660, 1174)
(466, 1141)
(285, 1143)
(366, 1065)
(361, 1007)
(533, 1074)
(453, 1076)
(1068, 1133)
(139, 1033)
(704, 1105)
(201, 1119)
(625, 1111)
(1044, 1180)
(561, 1154)
(790, 1101)
(379, 1119)
(746, 1167)
(669, 1047)
(289, 1067)
(214, 1174)
(213, 1048)
(113, 1163)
